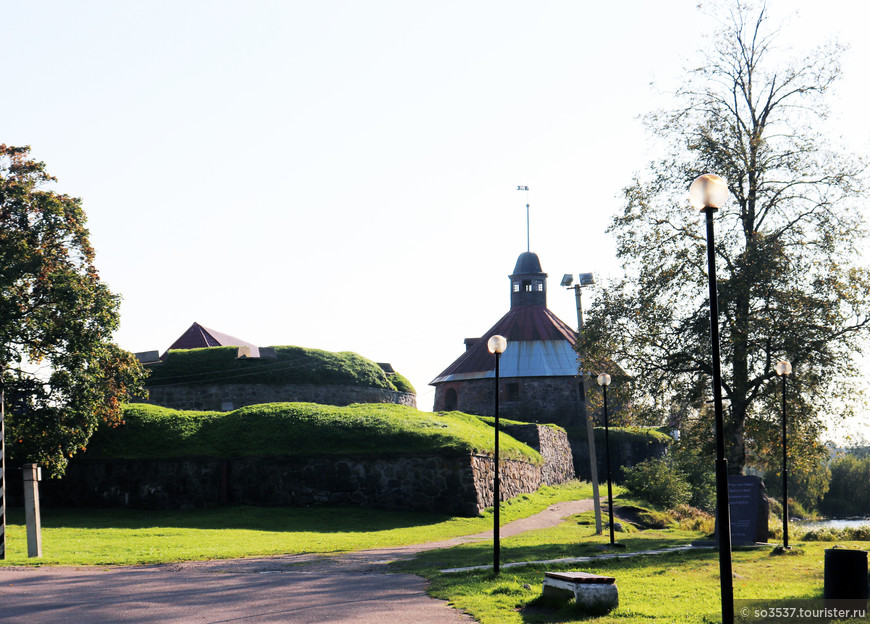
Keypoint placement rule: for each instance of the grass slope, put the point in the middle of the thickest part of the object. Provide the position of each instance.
(298, 429)
(293, 365)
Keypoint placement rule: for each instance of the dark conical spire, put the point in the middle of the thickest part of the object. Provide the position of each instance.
(528, 281)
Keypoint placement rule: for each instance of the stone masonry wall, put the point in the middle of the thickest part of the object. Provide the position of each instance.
(515, 478)
(433, 484)
(554, 447)
(226, 397)
(529, 399)
(458, 485)
(623, 454)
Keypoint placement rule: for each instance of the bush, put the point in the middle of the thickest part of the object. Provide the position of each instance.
(692, 519)
(692, 456)
(849, 494)
(829, 534)
(807, 486)
(659, 482)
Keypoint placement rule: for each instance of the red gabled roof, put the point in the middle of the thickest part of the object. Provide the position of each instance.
(198, 337)
(523, 324)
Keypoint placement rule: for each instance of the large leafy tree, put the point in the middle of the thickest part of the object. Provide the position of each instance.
(786, 247)
(61, 374)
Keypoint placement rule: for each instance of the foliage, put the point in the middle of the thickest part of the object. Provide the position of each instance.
(692, 457)
(806, 489)
(298, 429)
(849, 494)
(622, 409)
(659, 482)
(856, 534)
(292, 365)
(786, 243)
(692, 519)
(60, 371)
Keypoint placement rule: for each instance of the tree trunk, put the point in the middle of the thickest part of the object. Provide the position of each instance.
(735, 443)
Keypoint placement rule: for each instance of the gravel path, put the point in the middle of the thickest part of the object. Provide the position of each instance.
(349, 588)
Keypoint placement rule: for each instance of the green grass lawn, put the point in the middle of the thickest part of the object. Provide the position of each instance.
(679, 587)
(675, 587)
(122, 536)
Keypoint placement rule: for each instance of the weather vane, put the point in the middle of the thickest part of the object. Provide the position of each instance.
(526, 189)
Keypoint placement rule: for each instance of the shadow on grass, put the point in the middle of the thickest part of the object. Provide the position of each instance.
(289, 519)
(540, 612)
(680, 586)
(519, 589)
(480, 553)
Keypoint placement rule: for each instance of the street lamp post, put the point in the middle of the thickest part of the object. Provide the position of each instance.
(496, 345)
(707, 193)
(604, 381)
(586, 279)
(783, 369)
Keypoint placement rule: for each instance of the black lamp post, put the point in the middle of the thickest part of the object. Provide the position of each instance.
(707, 193)
(783, 369)
(604, 381)
(496, 346)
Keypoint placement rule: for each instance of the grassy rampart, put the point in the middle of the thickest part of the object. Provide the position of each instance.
(298, 429)
(292, 365)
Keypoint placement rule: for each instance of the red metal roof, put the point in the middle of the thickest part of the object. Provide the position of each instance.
(523, 324)
(198, 337)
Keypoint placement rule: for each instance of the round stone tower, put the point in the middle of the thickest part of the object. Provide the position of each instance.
(538, 371)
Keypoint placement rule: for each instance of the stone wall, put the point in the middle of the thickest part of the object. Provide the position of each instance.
(529, 399)
(226, 397)
(457, 485)
(625, 452)
(515, 478)
(552, 444)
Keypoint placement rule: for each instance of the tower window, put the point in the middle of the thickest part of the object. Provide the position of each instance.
(527, 286)
(516, 287)
(539, 286)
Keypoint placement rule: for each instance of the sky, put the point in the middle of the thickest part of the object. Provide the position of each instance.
(343, 175)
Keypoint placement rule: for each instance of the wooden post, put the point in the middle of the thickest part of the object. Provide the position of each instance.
(31, 510)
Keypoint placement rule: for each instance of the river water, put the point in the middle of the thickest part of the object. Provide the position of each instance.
(846, 523)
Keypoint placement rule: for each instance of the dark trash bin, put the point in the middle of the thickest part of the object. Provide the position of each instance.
(845, 574)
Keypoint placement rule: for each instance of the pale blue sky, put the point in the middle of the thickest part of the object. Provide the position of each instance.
(342, 175)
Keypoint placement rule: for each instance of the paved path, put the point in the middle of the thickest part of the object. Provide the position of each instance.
(305, 589)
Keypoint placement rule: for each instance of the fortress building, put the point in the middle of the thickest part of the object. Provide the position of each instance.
(538, 371)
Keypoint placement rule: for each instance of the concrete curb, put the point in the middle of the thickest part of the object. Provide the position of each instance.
(564, 560)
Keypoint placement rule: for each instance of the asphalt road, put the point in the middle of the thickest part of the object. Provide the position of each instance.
(267, 590)
(305, 589)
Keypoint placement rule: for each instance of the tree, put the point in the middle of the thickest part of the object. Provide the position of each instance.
(850, 486)
(61, 374)
(786, 243)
